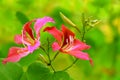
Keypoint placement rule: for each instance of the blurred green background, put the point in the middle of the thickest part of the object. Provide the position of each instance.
(104, 38)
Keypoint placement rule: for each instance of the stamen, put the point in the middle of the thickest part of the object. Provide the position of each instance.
(69, 44)
(71, 39)
(66, 40)
(29, 39)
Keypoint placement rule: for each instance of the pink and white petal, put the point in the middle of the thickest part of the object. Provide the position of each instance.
(14, 58)
(79, 54)
(56, 33)
(14, 54)
(79, 45)
(55, 46)
(40, 23)
(18, 39)
(31, 48)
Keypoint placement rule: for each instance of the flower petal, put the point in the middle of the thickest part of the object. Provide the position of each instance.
(68, 35)
(40, 23)
(78, 45)
(67, 32)
(18, 39)
(15, 54)
(31, 48)
(56, 33)
(27, 34)
(55, 46)
(79, 54)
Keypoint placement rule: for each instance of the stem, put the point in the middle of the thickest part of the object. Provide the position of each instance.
(84, 24)
(77, 29)
(55, 56)
(89, 29)
(43, 50)
(71, 65)
(47, 53)
(50, 61)
(52, 68)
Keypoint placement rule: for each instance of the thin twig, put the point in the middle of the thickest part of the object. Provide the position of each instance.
(77, 29)
(71, 65)
(50, 61)
(55, 56)
(48, 51)
(49, 64)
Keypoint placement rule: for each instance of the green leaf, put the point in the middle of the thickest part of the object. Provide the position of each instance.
(10, 71)
(22, 17)
(38, 71)
(24, 76)
(26, 61)
(60, 75)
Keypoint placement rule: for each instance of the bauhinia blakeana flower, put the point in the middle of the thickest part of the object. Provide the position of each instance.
(67, 43)
(27, 38)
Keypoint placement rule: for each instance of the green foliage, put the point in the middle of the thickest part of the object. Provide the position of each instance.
(105, 55)
(22, 17)
(26, 61)
(37, 71)
(11, 71)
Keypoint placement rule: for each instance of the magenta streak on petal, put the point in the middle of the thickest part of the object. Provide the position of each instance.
(31, 48)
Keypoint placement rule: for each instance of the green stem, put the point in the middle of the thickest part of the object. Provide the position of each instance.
(55, 56)
(44, 50)
(71, 65)
(84, 24)
(77, 29)
(50, 61)
(47, 53)
(52, 68)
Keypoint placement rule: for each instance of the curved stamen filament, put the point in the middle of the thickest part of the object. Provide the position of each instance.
(69, 44)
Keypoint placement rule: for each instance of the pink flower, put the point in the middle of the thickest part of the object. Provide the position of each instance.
(15, 54)
(27, 38)
(67, 43)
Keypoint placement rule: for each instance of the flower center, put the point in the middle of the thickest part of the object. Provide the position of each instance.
(29, 39)
(69, 43)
